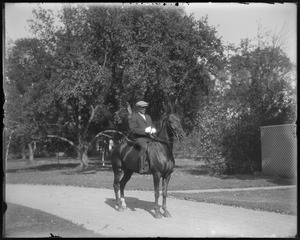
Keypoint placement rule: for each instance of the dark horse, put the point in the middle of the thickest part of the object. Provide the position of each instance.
(124, 158)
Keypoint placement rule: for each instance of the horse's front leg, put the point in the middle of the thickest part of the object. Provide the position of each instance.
(165, 183)
(156, 180)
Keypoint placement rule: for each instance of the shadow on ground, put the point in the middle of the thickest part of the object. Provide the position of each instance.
(133, 204)
(92, 169)
(45, 167)
(25, 222)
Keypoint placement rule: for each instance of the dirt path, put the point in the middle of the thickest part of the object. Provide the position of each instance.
(94, 208)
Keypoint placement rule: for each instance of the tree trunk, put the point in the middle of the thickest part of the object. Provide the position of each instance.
(23, 148)
(82, 150)
(79, 155)
(8, 144)
(83, 157)
(31, 153)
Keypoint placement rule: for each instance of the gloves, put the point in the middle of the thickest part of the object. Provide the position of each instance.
(150, 130)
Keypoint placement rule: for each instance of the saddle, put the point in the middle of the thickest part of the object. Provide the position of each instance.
(132, 143)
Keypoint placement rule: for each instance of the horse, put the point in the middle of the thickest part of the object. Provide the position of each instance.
(124, 159)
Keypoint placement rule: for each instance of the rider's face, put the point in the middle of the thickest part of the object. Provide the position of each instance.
(142, 110)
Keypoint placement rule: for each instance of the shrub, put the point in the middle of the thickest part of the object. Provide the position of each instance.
(227, 137)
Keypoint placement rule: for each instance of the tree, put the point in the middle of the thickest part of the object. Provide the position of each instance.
(268, 83)
(76, 93)
(153, 52)
(26, 73)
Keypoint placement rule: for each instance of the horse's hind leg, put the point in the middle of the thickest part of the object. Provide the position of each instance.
(127, 175)
(165, 183)
(117, 176)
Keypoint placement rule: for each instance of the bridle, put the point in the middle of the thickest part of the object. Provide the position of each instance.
(174, 133)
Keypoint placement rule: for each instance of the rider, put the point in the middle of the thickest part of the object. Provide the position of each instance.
(141, 126)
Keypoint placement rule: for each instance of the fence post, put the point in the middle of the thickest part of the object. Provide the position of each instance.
(102, 158)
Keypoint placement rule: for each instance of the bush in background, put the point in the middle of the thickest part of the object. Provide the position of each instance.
(256, 91)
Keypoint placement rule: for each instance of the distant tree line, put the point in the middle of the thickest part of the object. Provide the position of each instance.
(75, 79)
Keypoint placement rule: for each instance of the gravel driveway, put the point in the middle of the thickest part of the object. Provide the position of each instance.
(94, 208)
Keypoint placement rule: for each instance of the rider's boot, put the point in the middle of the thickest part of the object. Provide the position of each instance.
(143, 162)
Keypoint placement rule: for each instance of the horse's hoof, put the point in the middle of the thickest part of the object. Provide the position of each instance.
(120, 209)
(157, 215)
(166, 214)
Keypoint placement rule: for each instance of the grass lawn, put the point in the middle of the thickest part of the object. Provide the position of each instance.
(188, 175)
(279, 200)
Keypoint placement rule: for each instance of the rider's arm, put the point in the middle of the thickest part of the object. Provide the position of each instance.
(151, 123)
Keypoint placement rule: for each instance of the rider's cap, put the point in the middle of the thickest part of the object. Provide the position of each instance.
(141, 104)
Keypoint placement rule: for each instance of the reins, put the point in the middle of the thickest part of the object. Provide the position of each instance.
(152, 136)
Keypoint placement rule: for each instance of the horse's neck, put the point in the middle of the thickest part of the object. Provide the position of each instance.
(165, 135)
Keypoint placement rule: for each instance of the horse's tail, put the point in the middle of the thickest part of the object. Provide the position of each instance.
(124, 136)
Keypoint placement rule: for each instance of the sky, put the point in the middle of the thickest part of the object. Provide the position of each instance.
(233, 21)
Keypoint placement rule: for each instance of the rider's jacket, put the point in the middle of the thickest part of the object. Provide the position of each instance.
(137, 125)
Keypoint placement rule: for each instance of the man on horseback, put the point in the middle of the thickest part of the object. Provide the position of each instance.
(141, 127)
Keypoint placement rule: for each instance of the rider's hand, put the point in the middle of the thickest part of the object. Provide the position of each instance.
(148, 130)
(153, 130)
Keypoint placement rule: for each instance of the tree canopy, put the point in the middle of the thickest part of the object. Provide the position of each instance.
(148, 52)
(86, 70)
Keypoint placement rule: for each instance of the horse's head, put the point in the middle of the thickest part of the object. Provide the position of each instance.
(174, 127)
